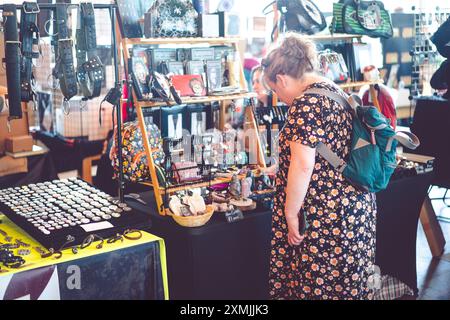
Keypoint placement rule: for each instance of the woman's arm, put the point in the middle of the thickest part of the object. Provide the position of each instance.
(300, 170)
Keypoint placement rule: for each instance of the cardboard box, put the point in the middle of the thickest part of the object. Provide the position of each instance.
(9, 165)
(19, 127)
(2, 55)
(19, 144)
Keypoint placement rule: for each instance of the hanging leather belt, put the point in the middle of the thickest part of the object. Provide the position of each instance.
(12, 60)
(89, 66)
(64, 69)
(29, 36)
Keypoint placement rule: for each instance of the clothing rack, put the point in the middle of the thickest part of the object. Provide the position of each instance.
(112, 11)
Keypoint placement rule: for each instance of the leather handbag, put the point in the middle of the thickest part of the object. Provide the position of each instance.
(189, 85)
(362, 18)
(172, 18)
(332, 66)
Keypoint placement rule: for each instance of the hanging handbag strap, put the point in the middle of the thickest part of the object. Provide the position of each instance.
(64, 69)
(89, 66)
(29, 36)
(12, 60)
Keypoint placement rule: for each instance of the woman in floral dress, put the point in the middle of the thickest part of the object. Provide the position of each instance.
(334, 258)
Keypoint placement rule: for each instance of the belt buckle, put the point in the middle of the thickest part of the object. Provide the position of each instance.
(34, 8)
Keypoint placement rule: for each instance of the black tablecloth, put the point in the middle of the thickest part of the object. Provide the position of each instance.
(68, 154)
(40, 168)
(397, 221)
(431, 123)
(224, 260)
(220, 260)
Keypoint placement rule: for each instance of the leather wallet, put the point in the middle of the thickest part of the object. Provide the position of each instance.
(189, 85)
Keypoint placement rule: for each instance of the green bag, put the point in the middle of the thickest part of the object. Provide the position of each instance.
(372, 158)
(362, 18)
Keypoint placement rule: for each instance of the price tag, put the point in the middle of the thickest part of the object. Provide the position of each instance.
(234, 215)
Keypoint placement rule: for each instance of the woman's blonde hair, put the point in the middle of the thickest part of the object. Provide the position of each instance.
(294, 56)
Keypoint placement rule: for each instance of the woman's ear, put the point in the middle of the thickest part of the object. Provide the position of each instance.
(281, 80)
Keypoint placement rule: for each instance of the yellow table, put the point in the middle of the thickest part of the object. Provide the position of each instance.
(34, 260)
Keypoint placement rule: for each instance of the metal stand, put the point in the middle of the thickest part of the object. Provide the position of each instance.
(112, 9)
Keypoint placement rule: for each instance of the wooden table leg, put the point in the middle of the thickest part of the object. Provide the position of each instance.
(432, 228)
(86, 173)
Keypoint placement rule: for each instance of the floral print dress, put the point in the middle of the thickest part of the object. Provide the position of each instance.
(336, 258)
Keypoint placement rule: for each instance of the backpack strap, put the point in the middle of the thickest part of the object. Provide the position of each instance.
(408, 139)
(348, 102)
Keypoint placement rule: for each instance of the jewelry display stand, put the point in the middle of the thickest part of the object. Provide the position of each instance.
(159, 190)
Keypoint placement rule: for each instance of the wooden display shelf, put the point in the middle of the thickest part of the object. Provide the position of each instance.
(214, 181)
(156, 41)
(191, 186)
(191, 100)
(333, 37)
(358, 84)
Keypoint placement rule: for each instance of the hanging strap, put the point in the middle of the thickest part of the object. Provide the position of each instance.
(12, 60)
(408, 139)
(64, 69)
(29, 36)
(89, 66)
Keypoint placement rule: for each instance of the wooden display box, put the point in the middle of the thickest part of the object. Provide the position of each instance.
(19, 144)
(19, 127)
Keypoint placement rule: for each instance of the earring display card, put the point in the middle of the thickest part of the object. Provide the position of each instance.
(176, 67)
(156, 56)
(140, 73)
(175, 126)
(214, 70)
(201, 54)
(198, 123)
(195, 67)
(51, 212)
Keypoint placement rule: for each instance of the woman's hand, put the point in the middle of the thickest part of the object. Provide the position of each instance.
(294, 237)
(270, 171)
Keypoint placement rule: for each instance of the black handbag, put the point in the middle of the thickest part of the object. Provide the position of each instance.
(172, 18)
(301, 16)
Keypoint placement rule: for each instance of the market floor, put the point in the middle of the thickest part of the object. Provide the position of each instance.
(433, 274)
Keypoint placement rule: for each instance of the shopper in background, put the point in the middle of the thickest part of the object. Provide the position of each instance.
(323, 229)
(258, 88)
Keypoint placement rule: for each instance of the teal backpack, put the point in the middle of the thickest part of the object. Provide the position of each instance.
(372, 158)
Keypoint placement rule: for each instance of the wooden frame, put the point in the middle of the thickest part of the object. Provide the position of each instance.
(126, 43)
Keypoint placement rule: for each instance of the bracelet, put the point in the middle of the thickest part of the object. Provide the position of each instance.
(115, 238)
(22, 244)
(91, 238)
(23, 252)
(87, 241)
(5, 235)
(43, 253)
(128, 231)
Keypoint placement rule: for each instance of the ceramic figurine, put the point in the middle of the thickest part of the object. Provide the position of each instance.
(235, 187)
